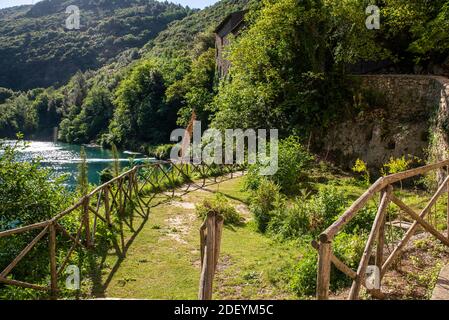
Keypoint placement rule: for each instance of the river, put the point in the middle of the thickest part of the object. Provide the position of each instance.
(64, 158)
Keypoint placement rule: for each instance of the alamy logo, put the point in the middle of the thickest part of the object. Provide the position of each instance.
(73, 20)
(372, 278)
(373, 20)
(72, 282)
(212, 148)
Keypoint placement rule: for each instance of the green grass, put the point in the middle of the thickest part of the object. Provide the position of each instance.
(163, 261)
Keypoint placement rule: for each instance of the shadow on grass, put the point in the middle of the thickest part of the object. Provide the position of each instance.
(97, 259)
(121, 247)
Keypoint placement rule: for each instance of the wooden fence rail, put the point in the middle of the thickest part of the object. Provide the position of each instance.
(376, 237)
(135, 189)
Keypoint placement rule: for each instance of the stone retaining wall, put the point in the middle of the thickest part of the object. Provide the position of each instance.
(396, 115)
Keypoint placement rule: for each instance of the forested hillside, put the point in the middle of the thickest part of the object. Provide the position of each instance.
(290, 68)
(89, 107)
(36, 49)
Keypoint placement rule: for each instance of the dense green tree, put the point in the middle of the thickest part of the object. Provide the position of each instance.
(5, 94)
(282, 73)
(348, 38)
(17, 115)
(141, 113)
(196, 90)
(85, 116)
(92, 119)
(420, 27)
(48, 105)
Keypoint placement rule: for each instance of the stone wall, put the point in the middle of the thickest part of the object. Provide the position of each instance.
(395, 115)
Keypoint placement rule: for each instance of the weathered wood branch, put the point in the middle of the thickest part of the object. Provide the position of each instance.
(427, 226)
(24, 229)
(380, 184)
(396, 252)
(356, 284)
(23, 253)
(340, 265)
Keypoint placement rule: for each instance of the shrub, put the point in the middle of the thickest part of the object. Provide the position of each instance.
(361, 167)
(396, 165)
(347, 247)
(161, 152)
(327, 205)
(362, 221)
(308, 216)
(220, 206)
(290, 223)
(106, 175)
(264, 202)
(28, 194)
(293, 160)
(303, 282)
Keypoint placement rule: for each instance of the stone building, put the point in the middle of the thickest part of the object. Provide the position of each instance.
(231, 26)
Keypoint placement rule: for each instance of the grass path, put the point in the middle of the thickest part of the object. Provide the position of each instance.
(163, 260)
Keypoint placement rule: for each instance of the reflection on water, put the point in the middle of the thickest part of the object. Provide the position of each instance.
(64, 158)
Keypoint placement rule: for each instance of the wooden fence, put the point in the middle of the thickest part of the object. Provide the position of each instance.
(210, 242)
(135, 188)
(384, 187)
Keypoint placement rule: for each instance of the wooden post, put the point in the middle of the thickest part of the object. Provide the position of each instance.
(120, 198)
(380, 248)
(380, 245)
(218, 234)
(324, 270)
(53, 268)
(136, 182)
(107, 208)
(131, 184)
(86, 221)
(208, 269)
(130, 195)
(447, 212)
(378, 221)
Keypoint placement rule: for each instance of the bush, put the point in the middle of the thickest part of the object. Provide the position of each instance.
(303, 282)
(292, 222)
(396, 165)
(347, 247)
(308, 216)
(220, 206)
(161, 152)
(106, 175)
(362, 221)
(361, 168)
(292, 162)
(28, 194)
(264, 202)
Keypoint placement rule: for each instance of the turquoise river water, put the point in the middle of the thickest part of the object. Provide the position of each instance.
(64, 158)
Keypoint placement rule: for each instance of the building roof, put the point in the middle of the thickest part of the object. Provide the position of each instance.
(231, 22)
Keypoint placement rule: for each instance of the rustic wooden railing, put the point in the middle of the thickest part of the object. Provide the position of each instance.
(135, 188)
(384, 186)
